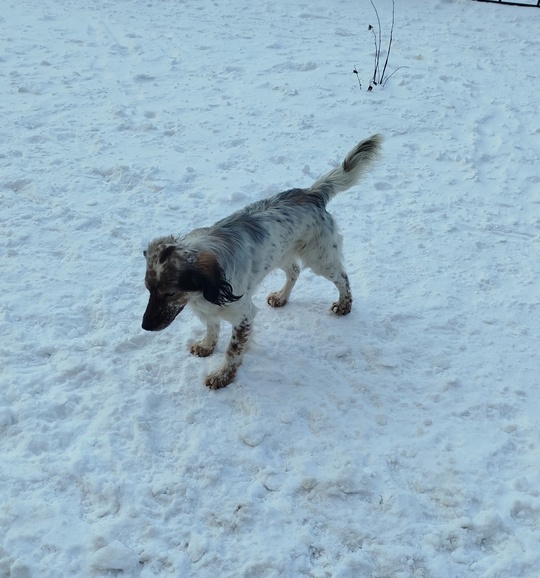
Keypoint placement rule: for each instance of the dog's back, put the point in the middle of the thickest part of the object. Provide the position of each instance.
(293, 223)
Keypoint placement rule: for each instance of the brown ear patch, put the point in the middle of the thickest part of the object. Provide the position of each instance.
(207, 264)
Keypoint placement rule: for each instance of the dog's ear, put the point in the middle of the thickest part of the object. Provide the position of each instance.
(166, 253)
(204, 274)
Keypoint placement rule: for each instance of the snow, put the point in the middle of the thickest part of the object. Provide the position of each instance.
(399, 441)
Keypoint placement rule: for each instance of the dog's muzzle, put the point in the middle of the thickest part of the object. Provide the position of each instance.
(160, 314)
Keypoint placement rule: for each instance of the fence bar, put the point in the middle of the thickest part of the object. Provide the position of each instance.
(537, 5)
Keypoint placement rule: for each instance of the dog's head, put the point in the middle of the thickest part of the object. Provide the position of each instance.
(174, 275)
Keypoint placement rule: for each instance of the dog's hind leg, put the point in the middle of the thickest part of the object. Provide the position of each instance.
(207, 344)
(325, 258)
(280, 298)
(341, 280)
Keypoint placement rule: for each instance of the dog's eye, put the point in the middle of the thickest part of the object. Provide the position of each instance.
(169, 295)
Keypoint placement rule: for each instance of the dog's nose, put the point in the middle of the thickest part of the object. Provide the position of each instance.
(152, 316)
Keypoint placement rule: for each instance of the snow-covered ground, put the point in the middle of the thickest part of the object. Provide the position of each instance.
(400, 441)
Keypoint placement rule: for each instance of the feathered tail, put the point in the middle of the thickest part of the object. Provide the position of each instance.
(349, 172)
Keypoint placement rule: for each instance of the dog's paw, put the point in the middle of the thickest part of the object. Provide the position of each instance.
(276, 299)
(221, 378)
(200, 350)
(342, 307)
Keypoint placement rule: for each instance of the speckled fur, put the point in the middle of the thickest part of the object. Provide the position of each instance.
(216, 269)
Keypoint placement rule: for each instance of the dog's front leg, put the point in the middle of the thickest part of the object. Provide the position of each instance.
(206, 345)
(233, 356)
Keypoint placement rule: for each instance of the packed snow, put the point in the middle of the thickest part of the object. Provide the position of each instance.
(402, 440)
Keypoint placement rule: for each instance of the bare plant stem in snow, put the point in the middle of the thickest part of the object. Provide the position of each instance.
(378, 73)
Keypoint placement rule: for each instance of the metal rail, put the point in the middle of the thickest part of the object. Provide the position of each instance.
(537, 5)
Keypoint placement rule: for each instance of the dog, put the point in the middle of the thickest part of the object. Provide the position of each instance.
(216, 269)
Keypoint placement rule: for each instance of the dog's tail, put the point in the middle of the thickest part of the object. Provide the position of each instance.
(349, 172)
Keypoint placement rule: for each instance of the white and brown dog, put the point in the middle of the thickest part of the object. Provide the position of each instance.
(217, 269)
